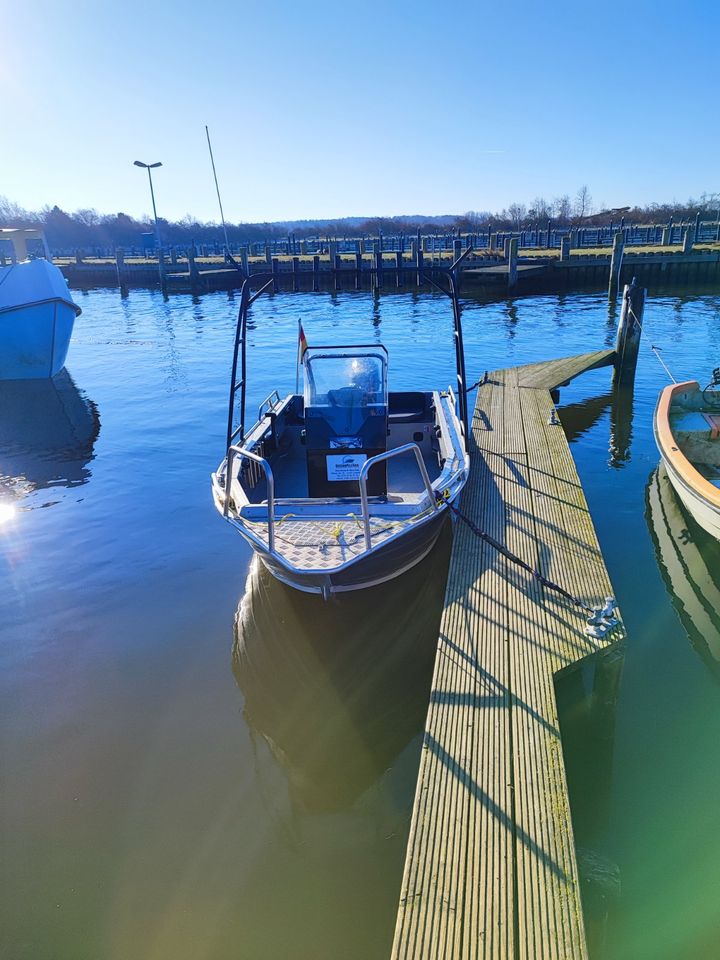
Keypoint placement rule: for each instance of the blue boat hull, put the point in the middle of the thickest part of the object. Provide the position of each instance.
(34, 339)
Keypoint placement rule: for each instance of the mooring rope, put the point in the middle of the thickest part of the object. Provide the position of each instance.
(600, 619)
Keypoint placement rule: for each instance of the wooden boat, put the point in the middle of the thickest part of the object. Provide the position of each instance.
(345, 485)
(689, 561)
(37, 313)
(687, 433)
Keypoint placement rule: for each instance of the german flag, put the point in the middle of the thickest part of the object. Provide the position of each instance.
(302, 342)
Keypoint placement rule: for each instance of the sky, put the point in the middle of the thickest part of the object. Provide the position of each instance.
(328, 109)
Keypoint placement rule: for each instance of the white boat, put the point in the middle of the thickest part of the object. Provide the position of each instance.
(37, 313)
(346, 484)
(687, 433)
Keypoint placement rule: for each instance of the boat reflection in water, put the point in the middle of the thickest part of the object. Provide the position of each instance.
(338, 689)
(689, 561)
(47, 434)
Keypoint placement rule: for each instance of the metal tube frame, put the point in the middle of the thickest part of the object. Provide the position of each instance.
(388, 455)
(241, 451)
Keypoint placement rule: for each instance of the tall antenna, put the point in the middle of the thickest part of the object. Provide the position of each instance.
(217, 188)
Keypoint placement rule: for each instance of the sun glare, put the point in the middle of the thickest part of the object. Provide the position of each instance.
(7, 512)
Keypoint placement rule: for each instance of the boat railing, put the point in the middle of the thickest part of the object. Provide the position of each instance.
(269, 403)
(234, 451)
(388, 455)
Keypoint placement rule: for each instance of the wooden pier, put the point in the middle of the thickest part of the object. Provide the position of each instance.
(491, 870)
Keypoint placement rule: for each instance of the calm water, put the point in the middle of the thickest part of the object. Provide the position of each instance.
(186, 779)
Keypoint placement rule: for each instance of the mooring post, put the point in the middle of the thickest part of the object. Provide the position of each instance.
(377, 244)
(316, 272)
(512, 262)
(296, 273)
(457, 249)
(565, 249)
(667, 235)
(120, 265)
(245, 261)
(697, 227)
(161, 269)
(275, 271)
(506, 247)
(336, 265)
(627, 341)
(268, 255)
(688, 239)
(398, 267)
(192, 268)
(618, 248)
(303, 248)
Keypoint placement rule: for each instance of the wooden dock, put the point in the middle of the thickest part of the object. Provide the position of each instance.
(491, 869)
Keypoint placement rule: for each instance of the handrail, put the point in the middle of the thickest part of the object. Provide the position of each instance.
(232, 451)
(387, 455)
(268, 399)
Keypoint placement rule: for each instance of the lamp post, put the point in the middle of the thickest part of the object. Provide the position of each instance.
(149, 167)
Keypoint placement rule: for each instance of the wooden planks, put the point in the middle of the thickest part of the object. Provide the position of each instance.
(490, 869)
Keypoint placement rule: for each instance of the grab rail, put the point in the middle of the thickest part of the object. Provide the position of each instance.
(232, 451)
(362, 480)
(268, 400)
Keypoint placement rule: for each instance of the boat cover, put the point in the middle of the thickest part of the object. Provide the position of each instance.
(31, 282)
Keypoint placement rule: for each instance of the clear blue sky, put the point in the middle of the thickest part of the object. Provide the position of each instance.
(322, 109)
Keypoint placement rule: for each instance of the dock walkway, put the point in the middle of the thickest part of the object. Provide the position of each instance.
(491, 870)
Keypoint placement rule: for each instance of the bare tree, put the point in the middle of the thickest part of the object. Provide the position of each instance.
(517, 213)
(583, 203)
(562, 208)
(540, 209)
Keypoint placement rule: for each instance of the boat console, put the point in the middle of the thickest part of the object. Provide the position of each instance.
(346, 419)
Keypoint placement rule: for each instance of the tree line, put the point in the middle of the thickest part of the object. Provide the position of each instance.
(88, 229)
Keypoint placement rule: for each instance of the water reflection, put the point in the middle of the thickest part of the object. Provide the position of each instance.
(689, 561)
(578, 418)
(339, 689)
(47, 433)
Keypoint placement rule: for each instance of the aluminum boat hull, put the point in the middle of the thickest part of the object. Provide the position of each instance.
(385, 562)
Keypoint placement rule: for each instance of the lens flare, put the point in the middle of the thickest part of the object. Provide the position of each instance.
(7, 512)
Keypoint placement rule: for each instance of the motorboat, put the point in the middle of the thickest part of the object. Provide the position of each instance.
(37, 313)
(345, 484)
(689, 561)
(687, 433)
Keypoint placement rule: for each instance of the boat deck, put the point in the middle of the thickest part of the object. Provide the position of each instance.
(491, 869)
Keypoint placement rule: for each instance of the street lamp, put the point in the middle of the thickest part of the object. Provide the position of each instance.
(149, 167)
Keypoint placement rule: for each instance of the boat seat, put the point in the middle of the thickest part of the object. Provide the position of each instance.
(713, 421)
(690, 421)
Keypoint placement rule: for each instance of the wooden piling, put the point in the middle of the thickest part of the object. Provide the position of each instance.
(627, 341)
(616, 264)
(667, 236)
(192, 268)
(275, 272)
(120, 265)
(296, 273)
(316, 272)
(688, 240)
(565, 249)
(398, 268)
(512, 263)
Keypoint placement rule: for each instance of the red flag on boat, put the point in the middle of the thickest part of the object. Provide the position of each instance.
(302, 342)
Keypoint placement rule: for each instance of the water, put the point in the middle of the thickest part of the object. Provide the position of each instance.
(177, 784)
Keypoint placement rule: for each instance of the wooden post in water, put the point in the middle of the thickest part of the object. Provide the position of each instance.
(316, 272)
(244, 261)
(120, 265)
(275, 272)
(457, 249)
(512, 263)
(296, 273)
(688, 239)
(615, 265)
(667, 236)
(268, 254)
(627, 342)
(358, 268)
(506, 247)
(192, 268)
(565, 249)
(336, 264)
(398, 268)
(377, 244)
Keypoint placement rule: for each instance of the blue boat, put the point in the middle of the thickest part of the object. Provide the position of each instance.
(37, 313)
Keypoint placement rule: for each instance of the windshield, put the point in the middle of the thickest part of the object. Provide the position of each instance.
(345, 380)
